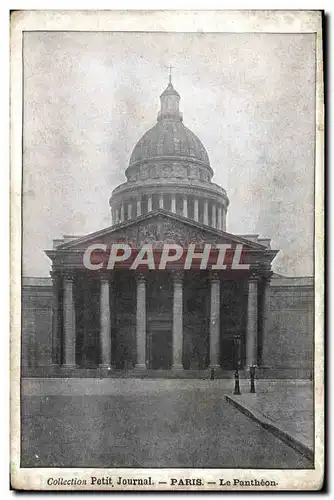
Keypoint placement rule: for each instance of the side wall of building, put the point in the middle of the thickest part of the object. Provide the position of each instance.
(289, 332)
(36, 321)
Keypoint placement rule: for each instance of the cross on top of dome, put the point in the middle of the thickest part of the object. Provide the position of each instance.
(170, 73)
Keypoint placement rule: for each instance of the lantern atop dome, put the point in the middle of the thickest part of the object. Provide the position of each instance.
(170, 100)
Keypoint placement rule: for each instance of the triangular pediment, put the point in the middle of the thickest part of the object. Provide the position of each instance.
(158, 228)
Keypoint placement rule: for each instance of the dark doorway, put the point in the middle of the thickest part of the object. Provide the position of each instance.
(159, 320)
(159, 347)
(233, 316)
(87, 321)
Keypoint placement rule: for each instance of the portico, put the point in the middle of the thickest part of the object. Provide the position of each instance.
(169, 319)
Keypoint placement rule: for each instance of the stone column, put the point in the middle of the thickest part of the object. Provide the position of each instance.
(122, 212)
(196, 209)
(116, 216)
(69, 321)
(219, 218)
(252, 317)
(173, 206)
(224, 220)
(185, 207)
(214, 217)
(265, 314)
(105, 327)
(214, 321)
(206, 213)
(161, 201)
(139, 207)
(86, 320)
(149, 204)
(55, 317)
(130, 211)
(177, 320)
(141, 322)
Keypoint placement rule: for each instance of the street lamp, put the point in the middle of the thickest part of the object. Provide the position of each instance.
(236, 342)
(252, 377)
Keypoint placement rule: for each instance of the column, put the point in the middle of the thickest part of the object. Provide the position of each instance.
(86, 321)
(224, 220)
(141, 322)
(173, 206)
(214, 218)
(122, 212)
(219, 218)
(185, 207)
(206, 213)
(130, 211)
(177, 321)
(252, 316)
(265, 315)
(196, 209)
(117, 216)
(55, 318)
(161, 201)
(149, 204)
(105, 330)
(139, 207)
(69, 321)
(214, 321)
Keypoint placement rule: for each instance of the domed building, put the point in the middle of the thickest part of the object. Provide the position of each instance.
(170, 169)
(165, 286)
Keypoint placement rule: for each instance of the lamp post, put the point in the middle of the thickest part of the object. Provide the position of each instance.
(252, 377)
(237, 364)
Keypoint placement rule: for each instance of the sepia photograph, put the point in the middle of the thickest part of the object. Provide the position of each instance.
(169, 329)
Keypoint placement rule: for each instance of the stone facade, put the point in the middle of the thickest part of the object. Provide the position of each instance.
(286, 348)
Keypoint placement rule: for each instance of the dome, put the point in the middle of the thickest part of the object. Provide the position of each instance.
(169, 169)
(169, 138)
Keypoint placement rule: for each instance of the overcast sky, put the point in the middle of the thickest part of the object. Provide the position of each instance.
(89, 97)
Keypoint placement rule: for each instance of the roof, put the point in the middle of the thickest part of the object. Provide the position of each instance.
(169, 138)
(170, 91)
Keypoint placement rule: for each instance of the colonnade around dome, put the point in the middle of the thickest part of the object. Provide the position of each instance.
(196, 208)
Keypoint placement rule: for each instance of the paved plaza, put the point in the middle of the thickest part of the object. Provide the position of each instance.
(285, 408)
(148, 423)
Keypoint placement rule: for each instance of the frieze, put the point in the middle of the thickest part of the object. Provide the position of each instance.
(193, 171)
(166, 171)
(155, 172)
(144, 171)
(178, 171)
